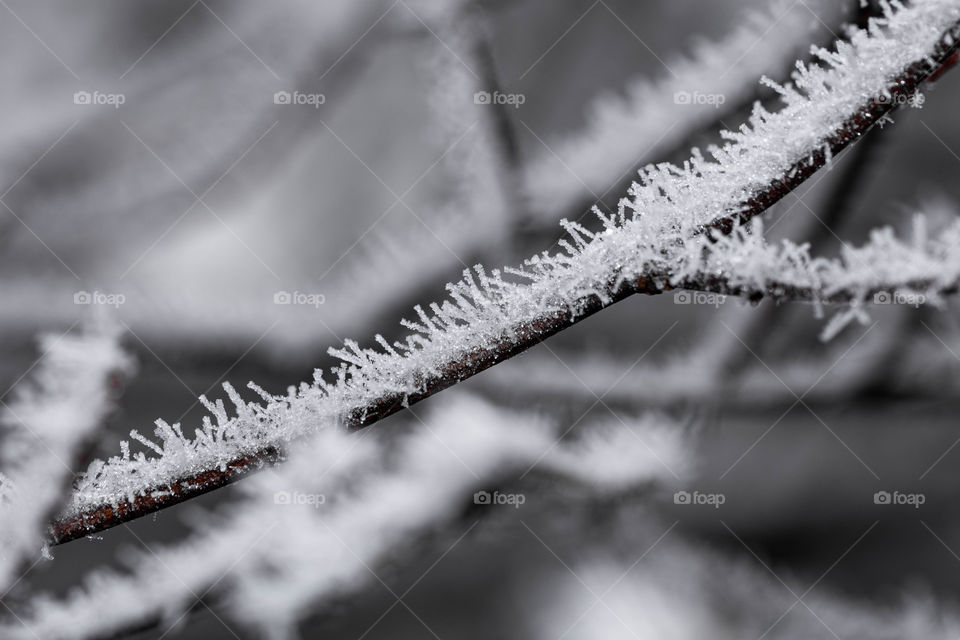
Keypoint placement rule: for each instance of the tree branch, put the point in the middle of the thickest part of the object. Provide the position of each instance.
(377, 386)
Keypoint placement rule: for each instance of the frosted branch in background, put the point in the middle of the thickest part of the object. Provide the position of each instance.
(471, 212)
(208, 69)
(625, 131)
(54, 414)
(344, 504)
(407, 251)
(681, 378)
(218, 143)
(681, 592)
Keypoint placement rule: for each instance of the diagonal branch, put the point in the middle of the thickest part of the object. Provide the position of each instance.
(464, 445)
(490, 318)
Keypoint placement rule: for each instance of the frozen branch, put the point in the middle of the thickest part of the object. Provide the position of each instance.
(345, 503)
(491, 316)
(623, 132)
(885, 270)
(730, 352)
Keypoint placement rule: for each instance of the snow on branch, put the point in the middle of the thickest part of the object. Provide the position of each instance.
(163, 584)
(622, 131)
(492, 315)
(345, 503)
(885, 270)
(52, 417)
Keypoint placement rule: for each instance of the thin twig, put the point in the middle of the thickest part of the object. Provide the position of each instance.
(846, 190)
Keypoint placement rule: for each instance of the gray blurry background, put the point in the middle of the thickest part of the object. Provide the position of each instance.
(199, 198)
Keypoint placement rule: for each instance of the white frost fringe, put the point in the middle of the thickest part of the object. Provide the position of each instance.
(53, 414)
